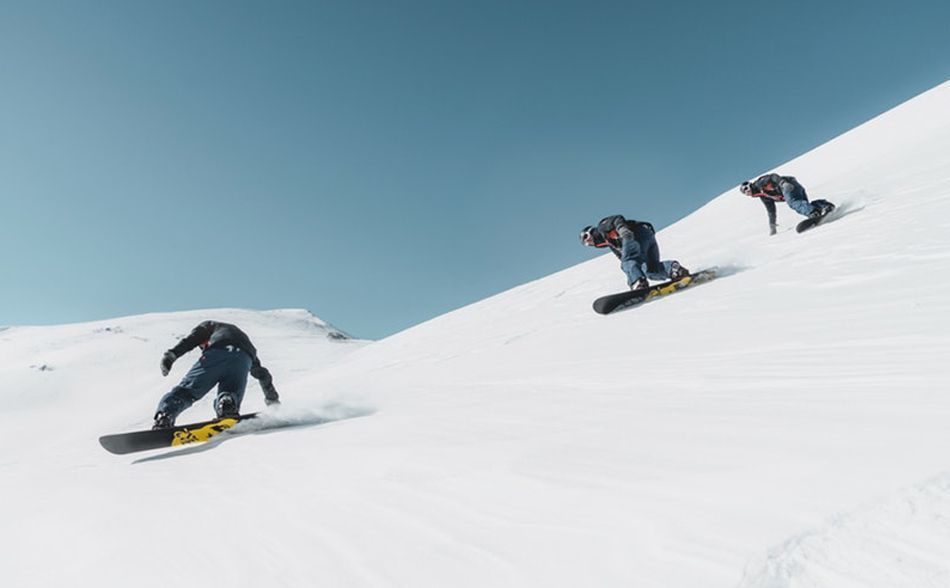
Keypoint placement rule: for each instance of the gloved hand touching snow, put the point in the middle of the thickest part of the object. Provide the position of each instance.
(167, 360)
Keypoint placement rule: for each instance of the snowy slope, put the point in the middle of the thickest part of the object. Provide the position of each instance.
(785, 425)
(57, 371)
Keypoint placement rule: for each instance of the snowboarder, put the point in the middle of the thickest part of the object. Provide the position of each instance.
(634, 243)
(227, 357)
(772, 188)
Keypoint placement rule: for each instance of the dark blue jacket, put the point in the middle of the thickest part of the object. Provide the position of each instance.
(768, 189)
(610, 228)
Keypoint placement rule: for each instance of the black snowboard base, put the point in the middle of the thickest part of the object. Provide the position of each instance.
(123, 443)
(621, 300)
(810, 223)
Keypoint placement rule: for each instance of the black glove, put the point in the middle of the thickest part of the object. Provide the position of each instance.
(772, 228)
(167, 360)
(270, 393)
(263, 376)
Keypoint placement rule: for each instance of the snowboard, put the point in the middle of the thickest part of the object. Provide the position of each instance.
(123, 443)
(810, 223)
(614, 302)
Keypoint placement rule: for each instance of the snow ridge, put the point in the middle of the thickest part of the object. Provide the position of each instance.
(901, 542)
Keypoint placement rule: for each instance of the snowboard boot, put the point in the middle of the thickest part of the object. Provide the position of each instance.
(224, 406)
(822, 207)
(678, 272)
(163, 421)
(640, 284)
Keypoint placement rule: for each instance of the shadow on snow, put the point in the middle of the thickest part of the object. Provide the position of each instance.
(265, 425)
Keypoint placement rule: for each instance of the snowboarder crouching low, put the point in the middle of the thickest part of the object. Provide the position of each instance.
(772, 188)
(227, 357)
(634, 243)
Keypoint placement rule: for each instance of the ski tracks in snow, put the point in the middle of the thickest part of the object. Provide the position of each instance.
(900, 542)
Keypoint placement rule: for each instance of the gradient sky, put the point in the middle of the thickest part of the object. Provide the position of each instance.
(382, 162)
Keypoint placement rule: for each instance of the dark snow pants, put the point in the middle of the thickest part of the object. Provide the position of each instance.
(796, 197)
(227, 367)
(635, 254)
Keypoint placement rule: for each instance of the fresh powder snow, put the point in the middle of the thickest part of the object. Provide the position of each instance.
(785, 425)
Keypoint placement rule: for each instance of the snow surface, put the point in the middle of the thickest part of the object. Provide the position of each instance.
(786, 425)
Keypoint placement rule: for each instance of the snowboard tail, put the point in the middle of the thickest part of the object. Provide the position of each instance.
(809, 223)
(131, 442)
(614, 302)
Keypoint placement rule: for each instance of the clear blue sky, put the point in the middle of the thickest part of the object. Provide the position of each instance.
(383, 162)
